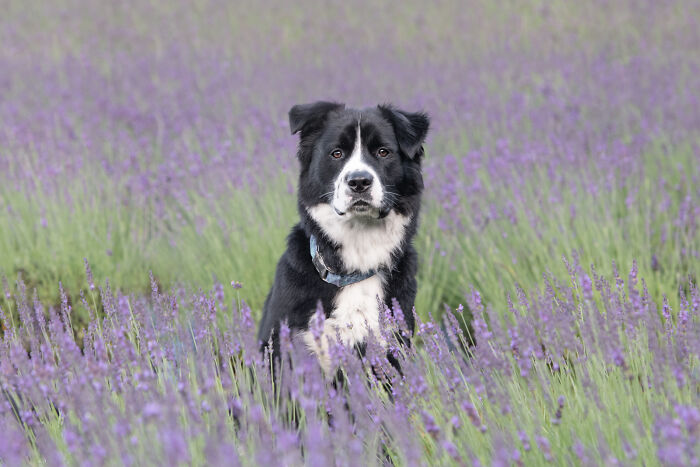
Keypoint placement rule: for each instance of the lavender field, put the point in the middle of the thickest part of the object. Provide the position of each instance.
(147, 183)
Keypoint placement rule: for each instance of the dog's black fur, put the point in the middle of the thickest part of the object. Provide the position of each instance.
(325, 127)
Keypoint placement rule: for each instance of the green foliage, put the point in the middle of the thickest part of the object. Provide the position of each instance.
(240, 235)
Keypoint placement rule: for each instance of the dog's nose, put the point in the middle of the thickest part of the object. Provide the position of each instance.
(359, 181)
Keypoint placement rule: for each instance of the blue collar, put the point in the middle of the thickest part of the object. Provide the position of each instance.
(329, 276)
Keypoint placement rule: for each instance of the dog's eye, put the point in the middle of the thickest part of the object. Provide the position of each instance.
(383, 152)
(336, 154)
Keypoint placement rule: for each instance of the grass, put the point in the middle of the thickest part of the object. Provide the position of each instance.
(151, 138)
(239, 236)
(151, 379)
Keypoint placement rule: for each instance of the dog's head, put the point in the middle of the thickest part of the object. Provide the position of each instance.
(363, 163)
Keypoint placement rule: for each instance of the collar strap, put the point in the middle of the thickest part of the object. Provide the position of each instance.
(328, 275)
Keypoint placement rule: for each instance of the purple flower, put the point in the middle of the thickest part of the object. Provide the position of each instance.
(88, 274)
(164, 147)
(560, 408)
(430, 426)
(545, 447)
(525, 440)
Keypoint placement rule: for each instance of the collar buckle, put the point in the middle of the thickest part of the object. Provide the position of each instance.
(320, 265)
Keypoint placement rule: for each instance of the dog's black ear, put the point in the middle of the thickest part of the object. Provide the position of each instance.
(410, 128)
(308, 117)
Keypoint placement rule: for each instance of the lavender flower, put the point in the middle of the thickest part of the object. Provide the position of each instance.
(150, 140)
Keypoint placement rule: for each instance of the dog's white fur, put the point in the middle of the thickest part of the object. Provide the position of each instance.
(342, 196)
(366, 243)
(356, 314)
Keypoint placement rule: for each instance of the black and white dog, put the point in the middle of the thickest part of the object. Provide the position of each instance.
(359, 196)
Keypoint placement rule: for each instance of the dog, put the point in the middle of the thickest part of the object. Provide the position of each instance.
(359, 198)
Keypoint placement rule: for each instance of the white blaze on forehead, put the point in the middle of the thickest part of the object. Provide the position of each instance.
(355, 162)
(341, 196)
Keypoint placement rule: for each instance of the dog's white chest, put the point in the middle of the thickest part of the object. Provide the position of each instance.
(365, 244)
(355, 315)
(356, 311)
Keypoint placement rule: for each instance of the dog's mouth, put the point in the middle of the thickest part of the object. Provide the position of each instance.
(358, 206)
